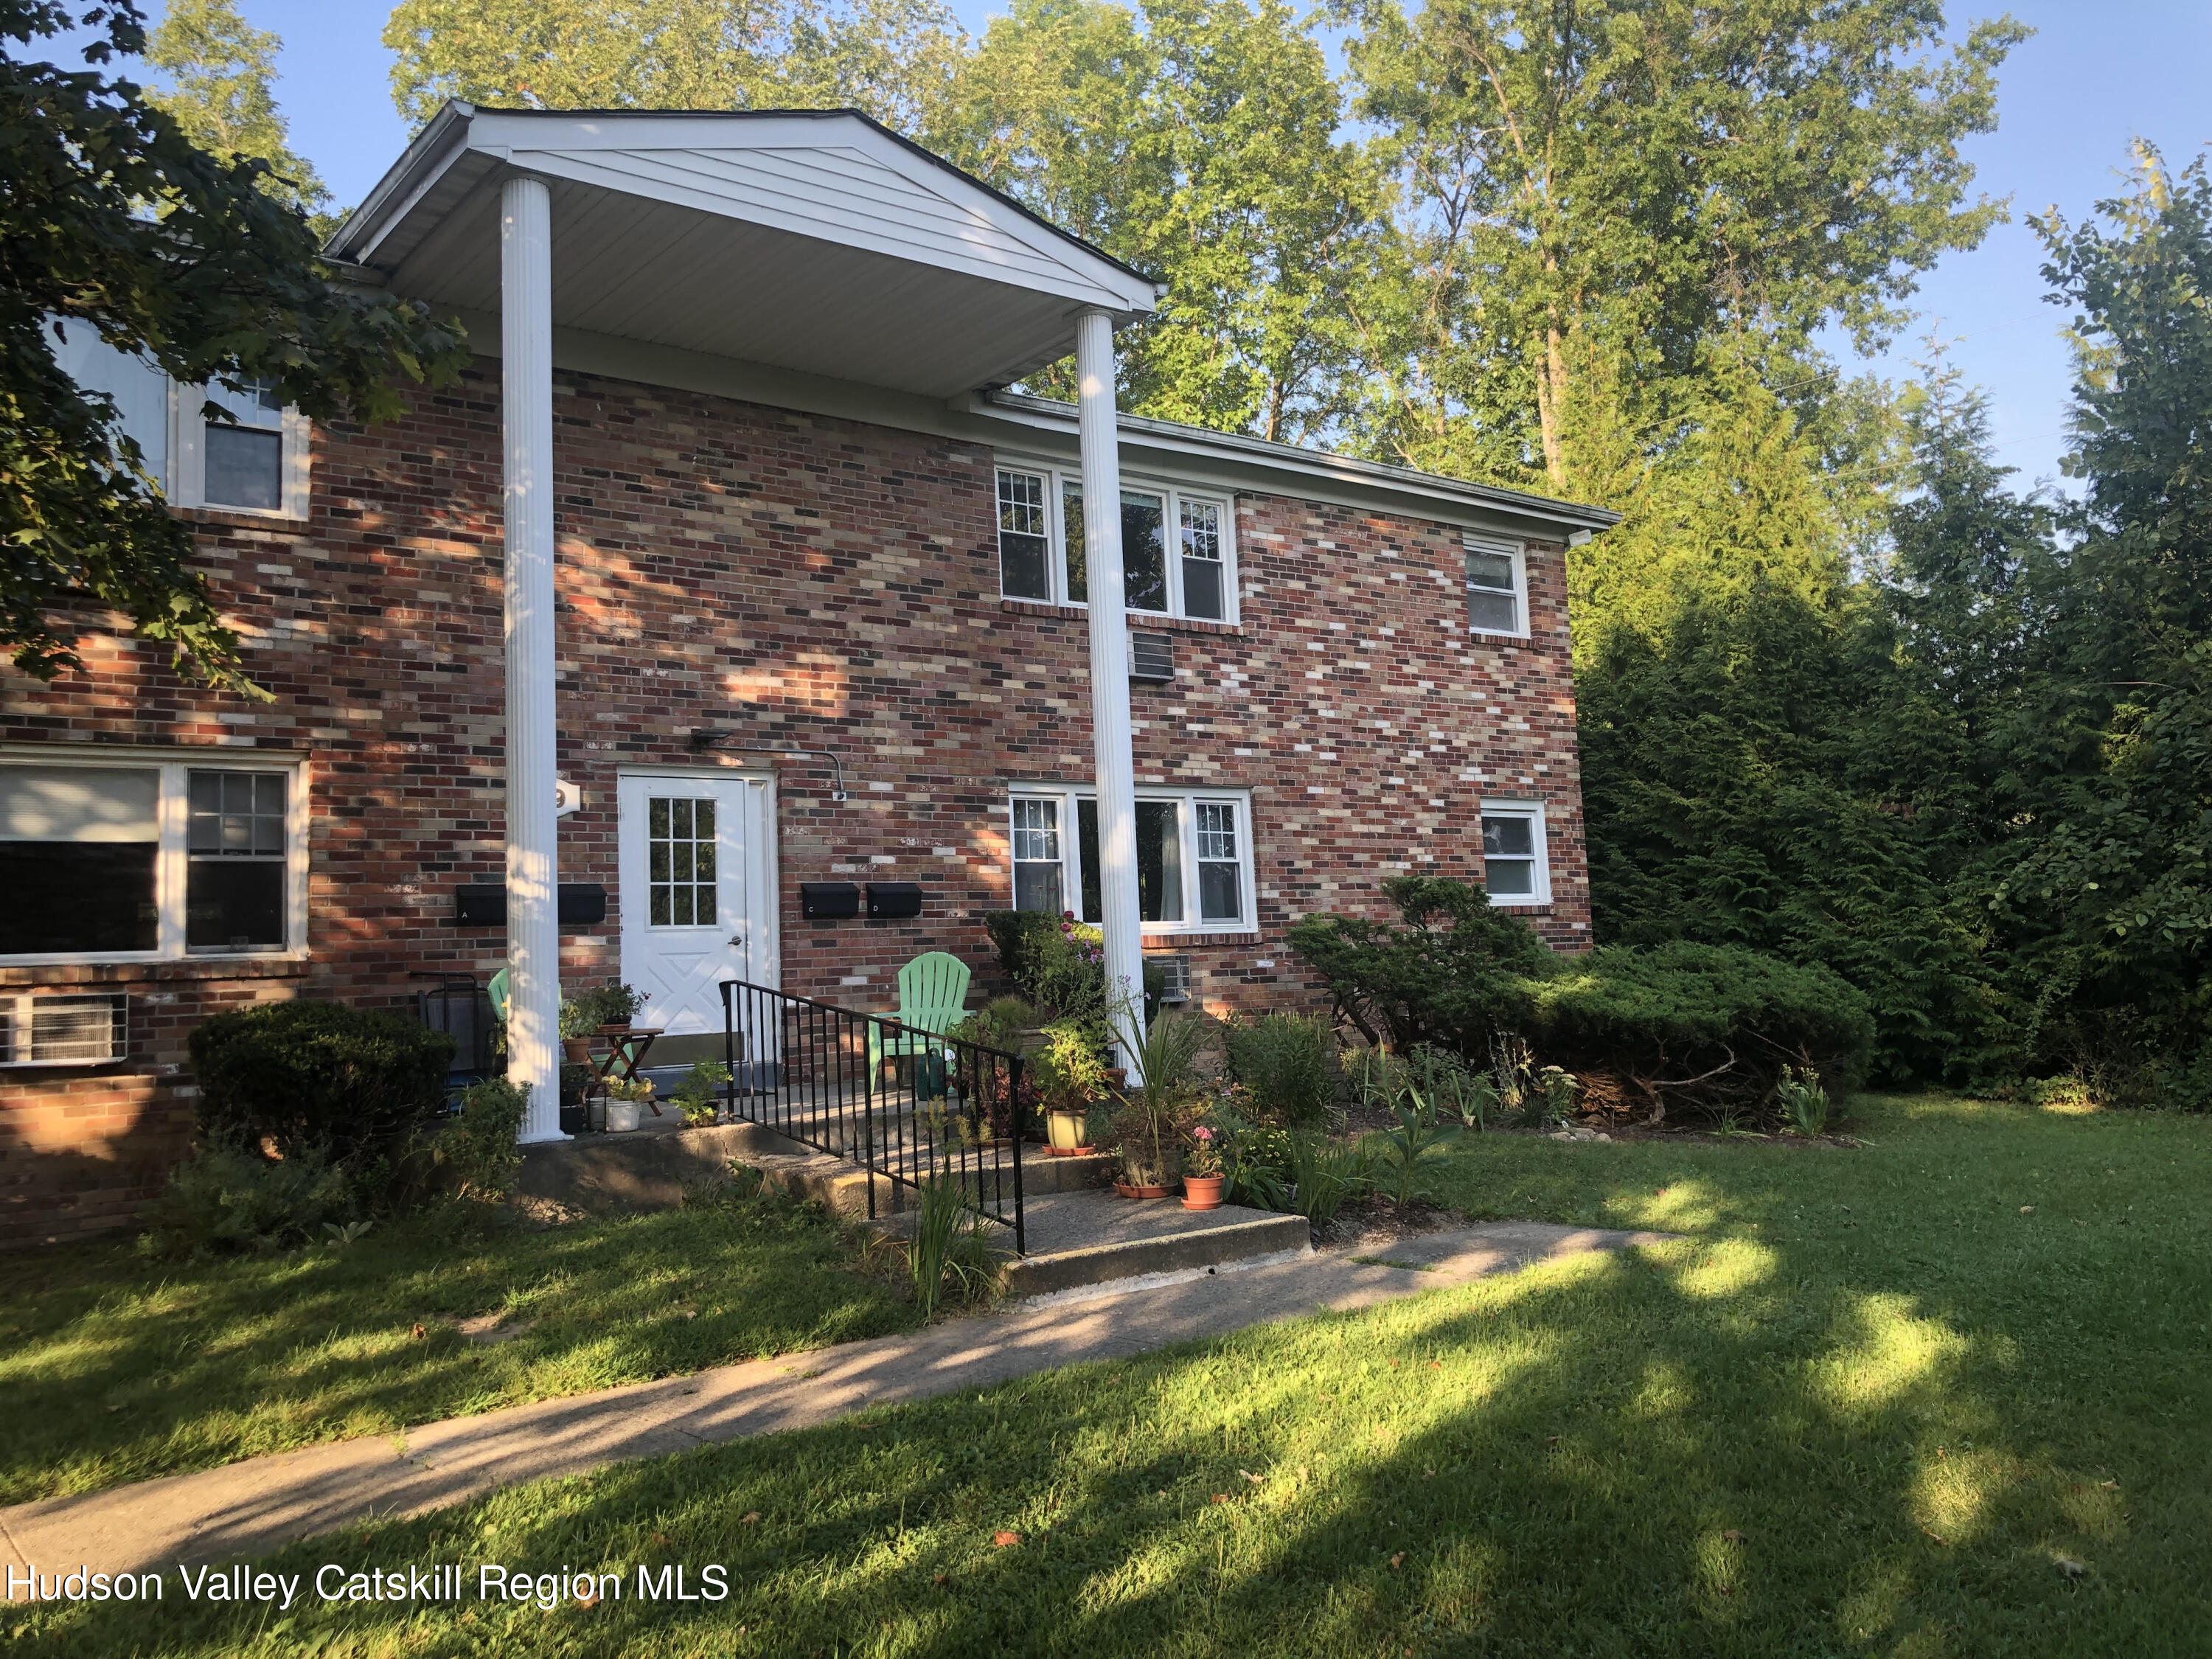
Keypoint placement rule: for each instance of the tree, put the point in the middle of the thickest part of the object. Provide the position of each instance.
(220, 72)
(2111, 892)
(893, 58)
(221, 282)
(1197, 140)
(1591, 191)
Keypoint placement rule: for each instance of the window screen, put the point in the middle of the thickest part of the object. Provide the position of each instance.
(246, 462)
(1493, 597)
(1203, 586)
(1039, 872)
(235, 843)
(1220, 879)
(1024, 537)
(1509, 855)
(1144, 552)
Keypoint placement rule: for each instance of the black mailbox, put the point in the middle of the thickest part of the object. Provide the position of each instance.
(580, 904)
(894, 898)
(826, 901)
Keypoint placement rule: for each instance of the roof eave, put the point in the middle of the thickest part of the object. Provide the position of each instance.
(1319, 464)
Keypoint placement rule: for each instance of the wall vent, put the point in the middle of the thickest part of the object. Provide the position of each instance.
(68, 1030)
(1151, 657)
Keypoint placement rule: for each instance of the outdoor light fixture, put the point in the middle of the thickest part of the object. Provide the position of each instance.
(707, 737)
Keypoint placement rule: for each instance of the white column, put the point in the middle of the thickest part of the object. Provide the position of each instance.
(1109, 677)
(534, 937)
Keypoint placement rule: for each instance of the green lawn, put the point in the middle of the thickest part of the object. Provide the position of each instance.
(1864, 1407)
(115, 1370)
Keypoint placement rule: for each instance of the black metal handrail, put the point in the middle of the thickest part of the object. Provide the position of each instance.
(813, 1072)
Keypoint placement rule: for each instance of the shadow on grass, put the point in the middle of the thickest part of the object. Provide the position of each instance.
(1842, 1425)
(116, 1369)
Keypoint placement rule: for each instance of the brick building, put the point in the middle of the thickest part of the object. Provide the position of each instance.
(817, 614)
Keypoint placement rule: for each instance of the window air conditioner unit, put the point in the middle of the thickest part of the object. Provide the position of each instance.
(1151, 657)
(64, 1030)
(1174, 988)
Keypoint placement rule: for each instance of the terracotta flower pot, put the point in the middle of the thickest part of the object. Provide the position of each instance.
(1202, 1191)
(577, 1050)
(1127, 1191)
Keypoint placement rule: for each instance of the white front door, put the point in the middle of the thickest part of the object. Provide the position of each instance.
(698, 892)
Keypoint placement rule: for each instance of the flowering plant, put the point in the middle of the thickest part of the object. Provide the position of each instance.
(1204, 1156)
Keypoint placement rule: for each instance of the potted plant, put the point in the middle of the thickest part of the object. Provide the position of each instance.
(1070, 1077)
(626, 1098)
(1202, 1174)
(617, 1005)
(579, 1017)
(1145, 1131)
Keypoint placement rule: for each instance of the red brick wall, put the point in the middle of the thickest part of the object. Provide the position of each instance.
(812, 582)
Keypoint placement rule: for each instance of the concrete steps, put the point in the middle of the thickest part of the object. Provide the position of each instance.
(1079, 1233)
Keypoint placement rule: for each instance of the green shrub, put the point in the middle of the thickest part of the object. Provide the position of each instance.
(353, 1085)
(224, 1200)
(1698, 1027)
(1708, 1026)
(1288, 1062)
(476, 1154)
(1454, 973)
(1327, 1175)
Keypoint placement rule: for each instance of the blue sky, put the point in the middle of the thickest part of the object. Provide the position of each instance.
(2095, 77)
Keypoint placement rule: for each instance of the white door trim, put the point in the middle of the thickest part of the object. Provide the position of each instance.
(764, 875)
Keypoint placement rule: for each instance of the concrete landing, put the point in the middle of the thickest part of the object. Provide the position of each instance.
(247, 1509)
(651, 1167)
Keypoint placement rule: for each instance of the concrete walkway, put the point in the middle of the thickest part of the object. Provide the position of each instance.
(249, 1508)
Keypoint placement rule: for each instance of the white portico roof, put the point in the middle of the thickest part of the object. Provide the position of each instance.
(811, 240)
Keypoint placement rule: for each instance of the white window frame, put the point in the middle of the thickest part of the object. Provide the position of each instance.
(1070, 851)
(183, 474)
(1172, 496)
(1534, 811)
(1518, 552)
(172, 860)
(188, 458)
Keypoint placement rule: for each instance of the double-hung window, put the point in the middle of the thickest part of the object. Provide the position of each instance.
(255, 461)
(144, 860)
(1497, 587)
(1515, 867)
(1194, 858)
(1177, 555)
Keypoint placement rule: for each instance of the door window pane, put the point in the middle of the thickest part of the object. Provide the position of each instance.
(1509, 855)
(1039, 874)
(1159, 861)
(681, 887)
(1025, 544)
(1203, 583)
(1221, 876)
(1144, 553)
(77, 859)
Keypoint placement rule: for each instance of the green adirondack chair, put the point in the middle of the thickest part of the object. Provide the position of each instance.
(933, 996)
